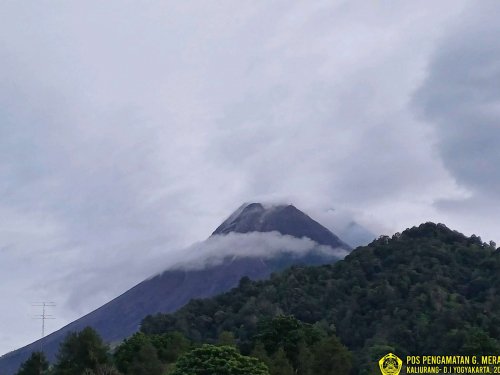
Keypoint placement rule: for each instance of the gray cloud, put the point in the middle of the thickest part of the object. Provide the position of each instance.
(267, 245)
(127, 131)
(460, 99)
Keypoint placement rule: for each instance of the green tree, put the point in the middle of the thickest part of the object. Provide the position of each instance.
(289, 334)
(259, 352)
(124, 355)
(218, 360)
(153, 350)
(137, 355)
(478, 342)
(280, 331)
(330, 357)
(304, 360)
(81, 351)
(36, 364)
(280, 364)
(146, 362)
(170, 346)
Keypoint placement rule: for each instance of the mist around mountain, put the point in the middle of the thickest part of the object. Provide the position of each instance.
(255, 241)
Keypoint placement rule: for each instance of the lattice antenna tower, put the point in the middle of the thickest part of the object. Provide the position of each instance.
(43, 317)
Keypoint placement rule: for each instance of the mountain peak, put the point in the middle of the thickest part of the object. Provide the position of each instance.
(285, 219)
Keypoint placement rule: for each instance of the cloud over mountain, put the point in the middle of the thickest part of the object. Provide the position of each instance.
(128, 131)
(255, 244)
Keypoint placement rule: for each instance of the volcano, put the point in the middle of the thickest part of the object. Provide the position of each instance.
(173, 288)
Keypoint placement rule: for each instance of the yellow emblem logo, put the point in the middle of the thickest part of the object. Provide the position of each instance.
(390, 364)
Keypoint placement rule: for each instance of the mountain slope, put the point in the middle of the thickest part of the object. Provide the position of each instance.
(172, 289)
(428, 290)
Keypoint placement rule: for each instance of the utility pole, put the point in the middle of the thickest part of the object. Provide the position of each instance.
(43, 317)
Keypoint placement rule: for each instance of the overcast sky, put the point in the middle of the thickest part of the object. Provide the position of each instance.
(129, 130)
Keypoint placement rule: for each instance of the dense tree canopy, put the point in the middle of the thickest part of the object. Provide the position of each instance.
(218, 360)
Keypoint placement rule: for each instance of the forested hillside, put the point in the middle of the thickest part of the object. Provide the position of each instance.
(426, 290)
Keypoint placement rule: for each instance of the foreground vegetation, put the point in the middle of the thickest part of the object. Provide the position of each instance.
(283, 345)
(428, 290)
